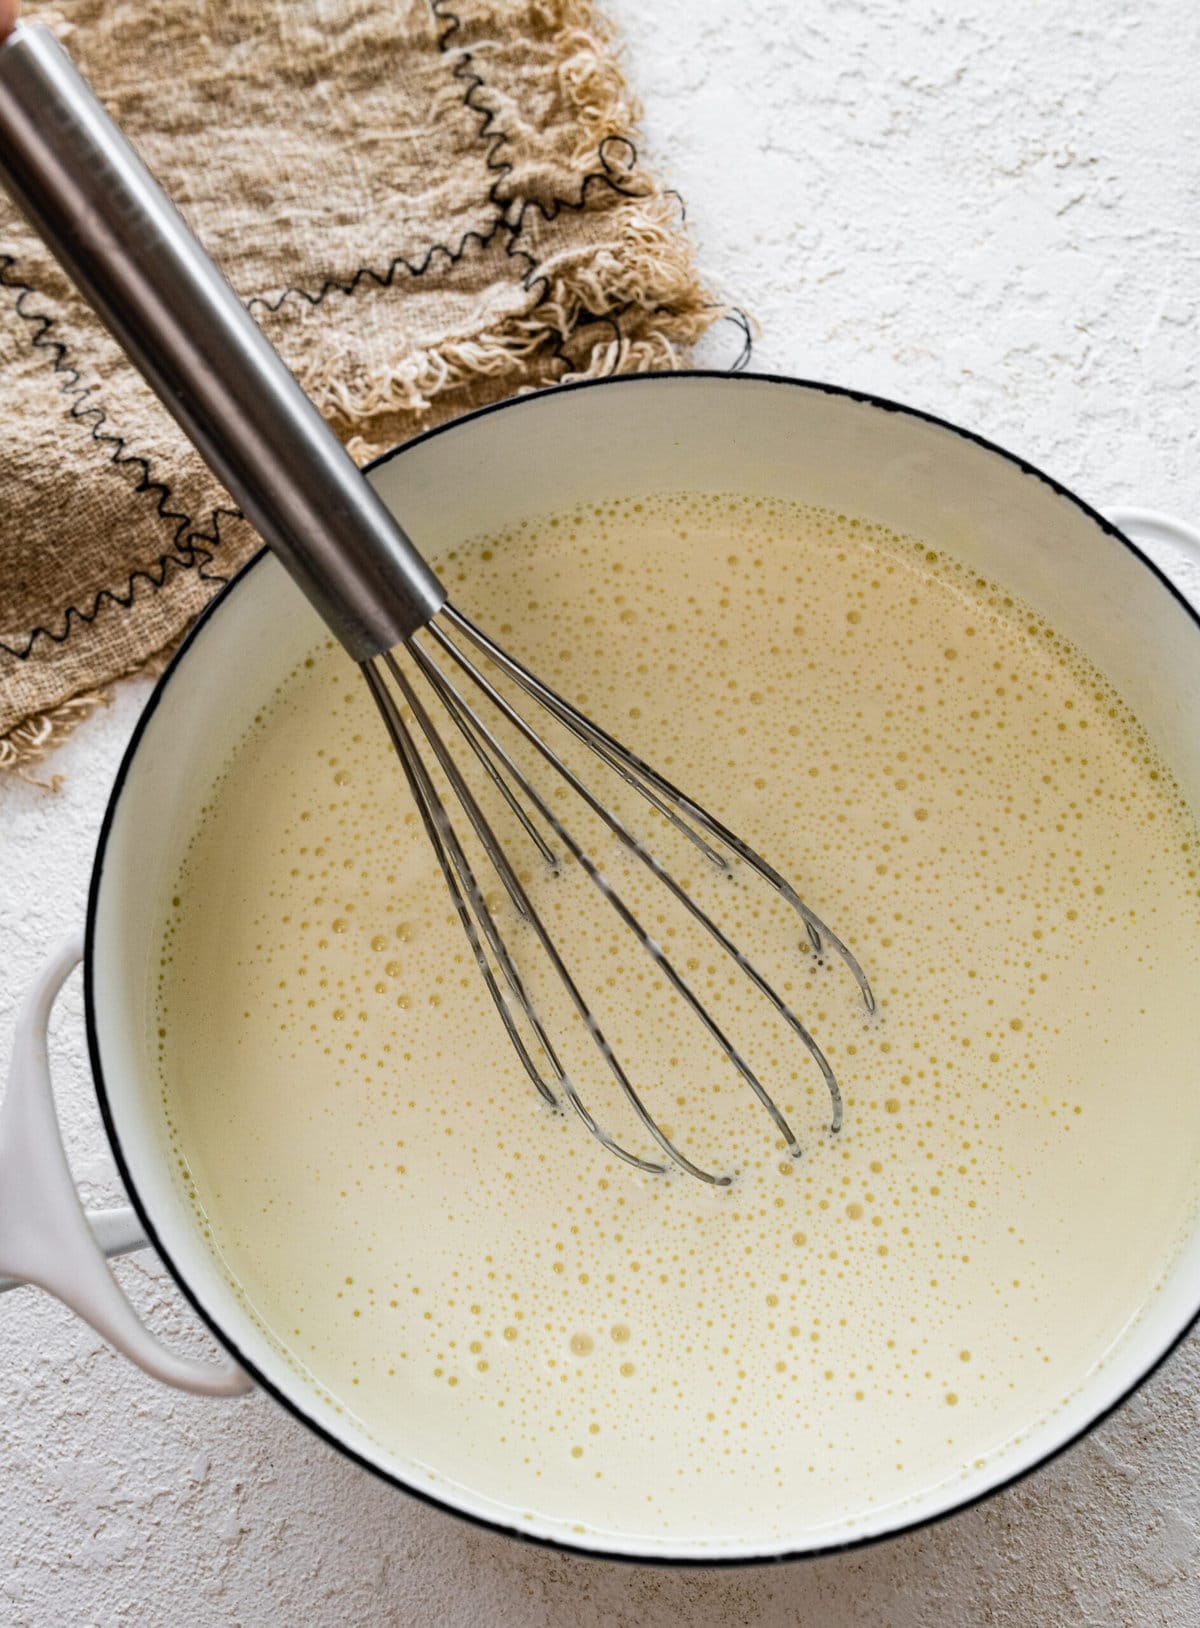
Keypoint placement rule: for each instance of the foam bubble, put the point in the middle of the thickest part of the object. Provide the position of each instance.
(968, 803)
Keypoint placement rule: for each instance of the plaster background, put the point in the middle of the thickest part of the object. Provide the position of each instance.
(991, 211)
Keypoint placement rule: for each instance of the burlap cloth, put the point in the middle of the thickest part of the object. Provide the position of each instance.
(427, 206)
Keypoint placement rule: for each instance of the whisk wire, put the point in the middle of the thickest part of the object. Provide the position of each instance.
(468, 728)
(661, 874)
(460, 881)
(621, 761)
(459, 877)
(636, 771)
(445, 658)
(521, 900)
(441, 683)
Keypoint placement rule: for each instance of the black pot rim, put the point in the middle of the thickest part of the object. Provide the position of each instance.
(581, 1550)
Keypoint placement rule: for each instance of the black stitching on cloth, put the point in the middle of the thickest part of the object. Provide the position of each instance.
(606, 175)
(190, 555)
(464, 72)
(741, 322)
(617, 155)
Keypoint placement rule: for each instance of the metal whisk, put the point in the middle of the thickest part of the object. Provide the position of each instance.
(131, 255)
(445, 653)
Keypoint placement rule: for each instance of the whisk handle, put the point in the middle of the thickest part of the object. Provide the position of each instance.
(133, 258)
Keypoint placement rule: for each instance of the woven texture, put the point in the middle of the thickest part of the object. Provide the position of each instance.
(425, 208)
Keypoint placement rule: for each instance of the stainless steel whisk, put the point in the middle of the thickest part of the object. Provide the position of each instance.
(445, 654)
(133, 258)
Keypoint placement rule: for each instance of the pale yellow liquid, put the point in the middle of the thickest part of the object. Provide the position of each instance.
(491, 1293)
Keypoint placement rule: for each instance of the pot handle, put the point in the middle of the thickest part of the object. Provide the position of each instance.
(1151, 526)
(45, 1236)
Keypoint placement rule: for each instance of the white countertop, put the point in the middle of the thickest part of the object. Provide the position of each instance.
(989, 211)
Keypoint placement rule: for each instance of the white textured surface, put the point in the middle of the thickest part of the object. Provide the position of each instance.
(988, 211)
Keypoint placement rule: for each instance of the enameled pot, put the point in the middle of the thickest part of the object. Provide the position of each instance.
(685, 431)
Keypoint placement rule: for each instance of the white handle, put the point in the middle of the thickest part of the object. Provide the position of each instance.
(117, 1232)
(45, 1236)
(1152, 527)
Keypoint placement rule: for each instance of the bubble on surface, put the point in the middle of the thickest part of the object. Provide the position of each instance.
(469, 1276)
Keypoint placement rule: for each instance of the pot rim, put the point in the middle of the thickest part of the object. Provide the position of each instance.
(583, 1550)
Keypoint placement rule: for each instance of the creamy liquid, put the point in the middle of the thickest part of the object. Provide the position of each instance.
(496, 1297)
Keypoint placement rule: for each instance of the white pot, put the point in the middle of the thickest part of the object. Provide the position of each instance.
(700, 432)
